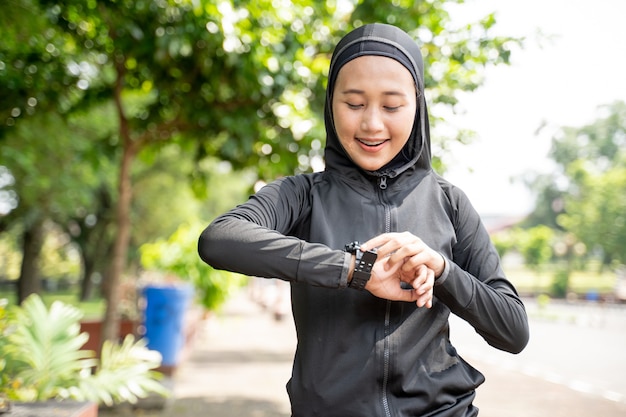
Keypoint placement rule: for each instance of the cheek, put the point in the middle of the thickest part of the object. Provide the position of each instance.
(405, 125)
(344, 124)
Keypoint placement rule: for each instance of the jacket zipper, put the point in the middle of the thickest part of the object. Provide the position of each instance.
(382, 182)
(382, 185)
(386, 360)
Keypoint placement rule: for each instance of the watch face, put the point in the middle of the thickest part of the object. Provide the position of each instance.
(353, 247)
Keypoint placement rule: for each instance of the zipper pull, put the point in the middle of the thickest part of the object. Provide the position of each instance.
(382, 182)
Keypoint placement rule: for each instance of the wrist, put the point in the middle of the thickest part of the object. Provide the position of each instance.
(443, 276)
(352, 266)
(441, 269)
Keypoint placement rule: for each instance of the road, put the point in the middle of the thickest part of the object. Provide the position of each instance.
(578, 345)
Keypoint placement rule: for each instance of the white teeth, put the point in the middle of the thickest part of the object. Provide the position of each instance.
(364, 142)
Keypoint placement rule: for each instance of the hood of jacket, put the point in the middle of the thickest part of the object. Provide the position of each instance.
(392, 42)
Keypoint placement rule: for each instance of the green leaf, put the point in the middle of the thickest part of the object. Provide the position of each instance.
(42, 356)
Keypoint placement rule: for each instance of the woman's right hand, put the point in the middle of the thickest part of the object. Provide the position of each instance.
(408, 259)
(386, 282)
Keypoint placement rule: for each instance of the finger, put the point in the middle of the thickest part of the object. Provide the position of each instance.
(376, 242)
(417, 254)
(407, 295)
(419, 276)
(384, 244)
(423, 285)
(397, 293)
(397, 262)
(425, 298)
(413, 262)
(425, 301)
(388, 243)
(389, 267)
(410, 254)
(429, 283)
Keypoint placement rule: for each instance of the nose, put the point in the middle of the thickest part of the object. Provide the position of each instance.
(372, 120)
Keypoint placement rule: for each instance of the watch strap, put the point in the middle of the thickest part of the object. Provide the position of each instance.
(363, 265)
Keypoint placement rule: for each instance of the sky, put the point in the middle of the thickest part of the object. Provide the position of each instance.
(561, 82)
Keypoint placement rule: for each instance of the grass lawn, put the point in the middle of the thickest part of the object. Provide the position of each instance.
(580, 282)
(91, 309)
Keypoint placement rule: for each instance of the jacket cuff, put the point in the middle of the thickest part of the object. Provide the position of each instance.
(343, 283)
(446, 271)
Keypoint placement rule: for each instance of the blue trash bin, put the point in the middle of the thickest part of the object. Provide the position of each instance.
(164, 313)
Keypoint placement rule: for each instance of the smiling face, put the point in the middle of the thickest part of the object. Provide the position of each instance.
(374, 105)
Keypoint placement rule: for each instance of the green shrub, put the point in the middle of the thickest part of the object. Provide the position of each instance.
(42, 359)
(178, 256)
(560, 283)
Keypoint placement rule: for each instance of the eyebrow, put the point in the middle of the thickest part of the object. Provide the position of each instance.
(386, 93)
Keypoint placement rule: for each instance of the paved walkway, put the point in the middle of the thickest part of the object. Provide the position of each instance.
(242, 357)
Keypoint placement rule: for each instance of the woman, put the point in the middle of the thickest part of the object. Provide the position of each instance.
(372, 321)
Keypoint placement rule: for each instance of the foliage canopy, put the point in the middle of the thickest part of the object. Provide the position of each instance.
(586, 196)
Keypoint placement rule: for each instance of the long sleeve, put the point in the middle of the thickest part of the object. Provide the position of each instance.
(253, 239)
(493, 308)
(475, 288)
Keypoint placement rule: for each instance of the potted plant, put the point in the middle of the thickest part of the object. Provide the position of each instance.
(41, 359)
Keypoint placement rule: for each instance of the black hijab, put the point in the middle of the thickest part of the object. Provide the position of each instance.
(392, 42)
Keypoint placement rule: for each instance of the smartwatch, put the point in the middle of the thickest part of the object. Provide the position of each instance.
(363, 267)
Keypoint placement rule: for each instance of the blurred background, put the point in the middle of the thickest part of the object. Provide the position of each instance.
(127, 126)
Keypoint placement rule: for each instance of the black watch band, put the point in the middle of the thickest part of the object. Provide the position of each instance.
(363, 266)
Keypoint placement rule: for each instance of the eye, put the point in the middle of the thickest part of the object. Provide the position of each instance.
(392, 108)
(354, 106)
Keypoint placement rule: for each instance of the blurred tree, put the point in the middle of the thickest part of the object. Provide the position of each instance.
(36, 76)
(587, 195)
(535, 245)
(36, 64)
(52, 182)
(243, 83)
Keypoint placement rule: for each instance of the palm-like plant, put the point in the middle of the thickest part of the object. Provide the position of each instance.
(42, 359)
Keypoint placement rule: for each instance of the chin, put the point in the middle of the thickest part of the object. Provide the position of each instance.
(371, 166)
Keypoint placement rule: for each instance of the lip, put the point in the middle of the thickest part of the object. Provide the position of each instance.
(371, 145)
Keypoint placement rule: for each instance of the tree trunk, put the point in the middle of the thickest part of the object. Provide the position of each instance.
(120, 249)
(96, 246)
(111, 322)
(86, 285)
(32, 242)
